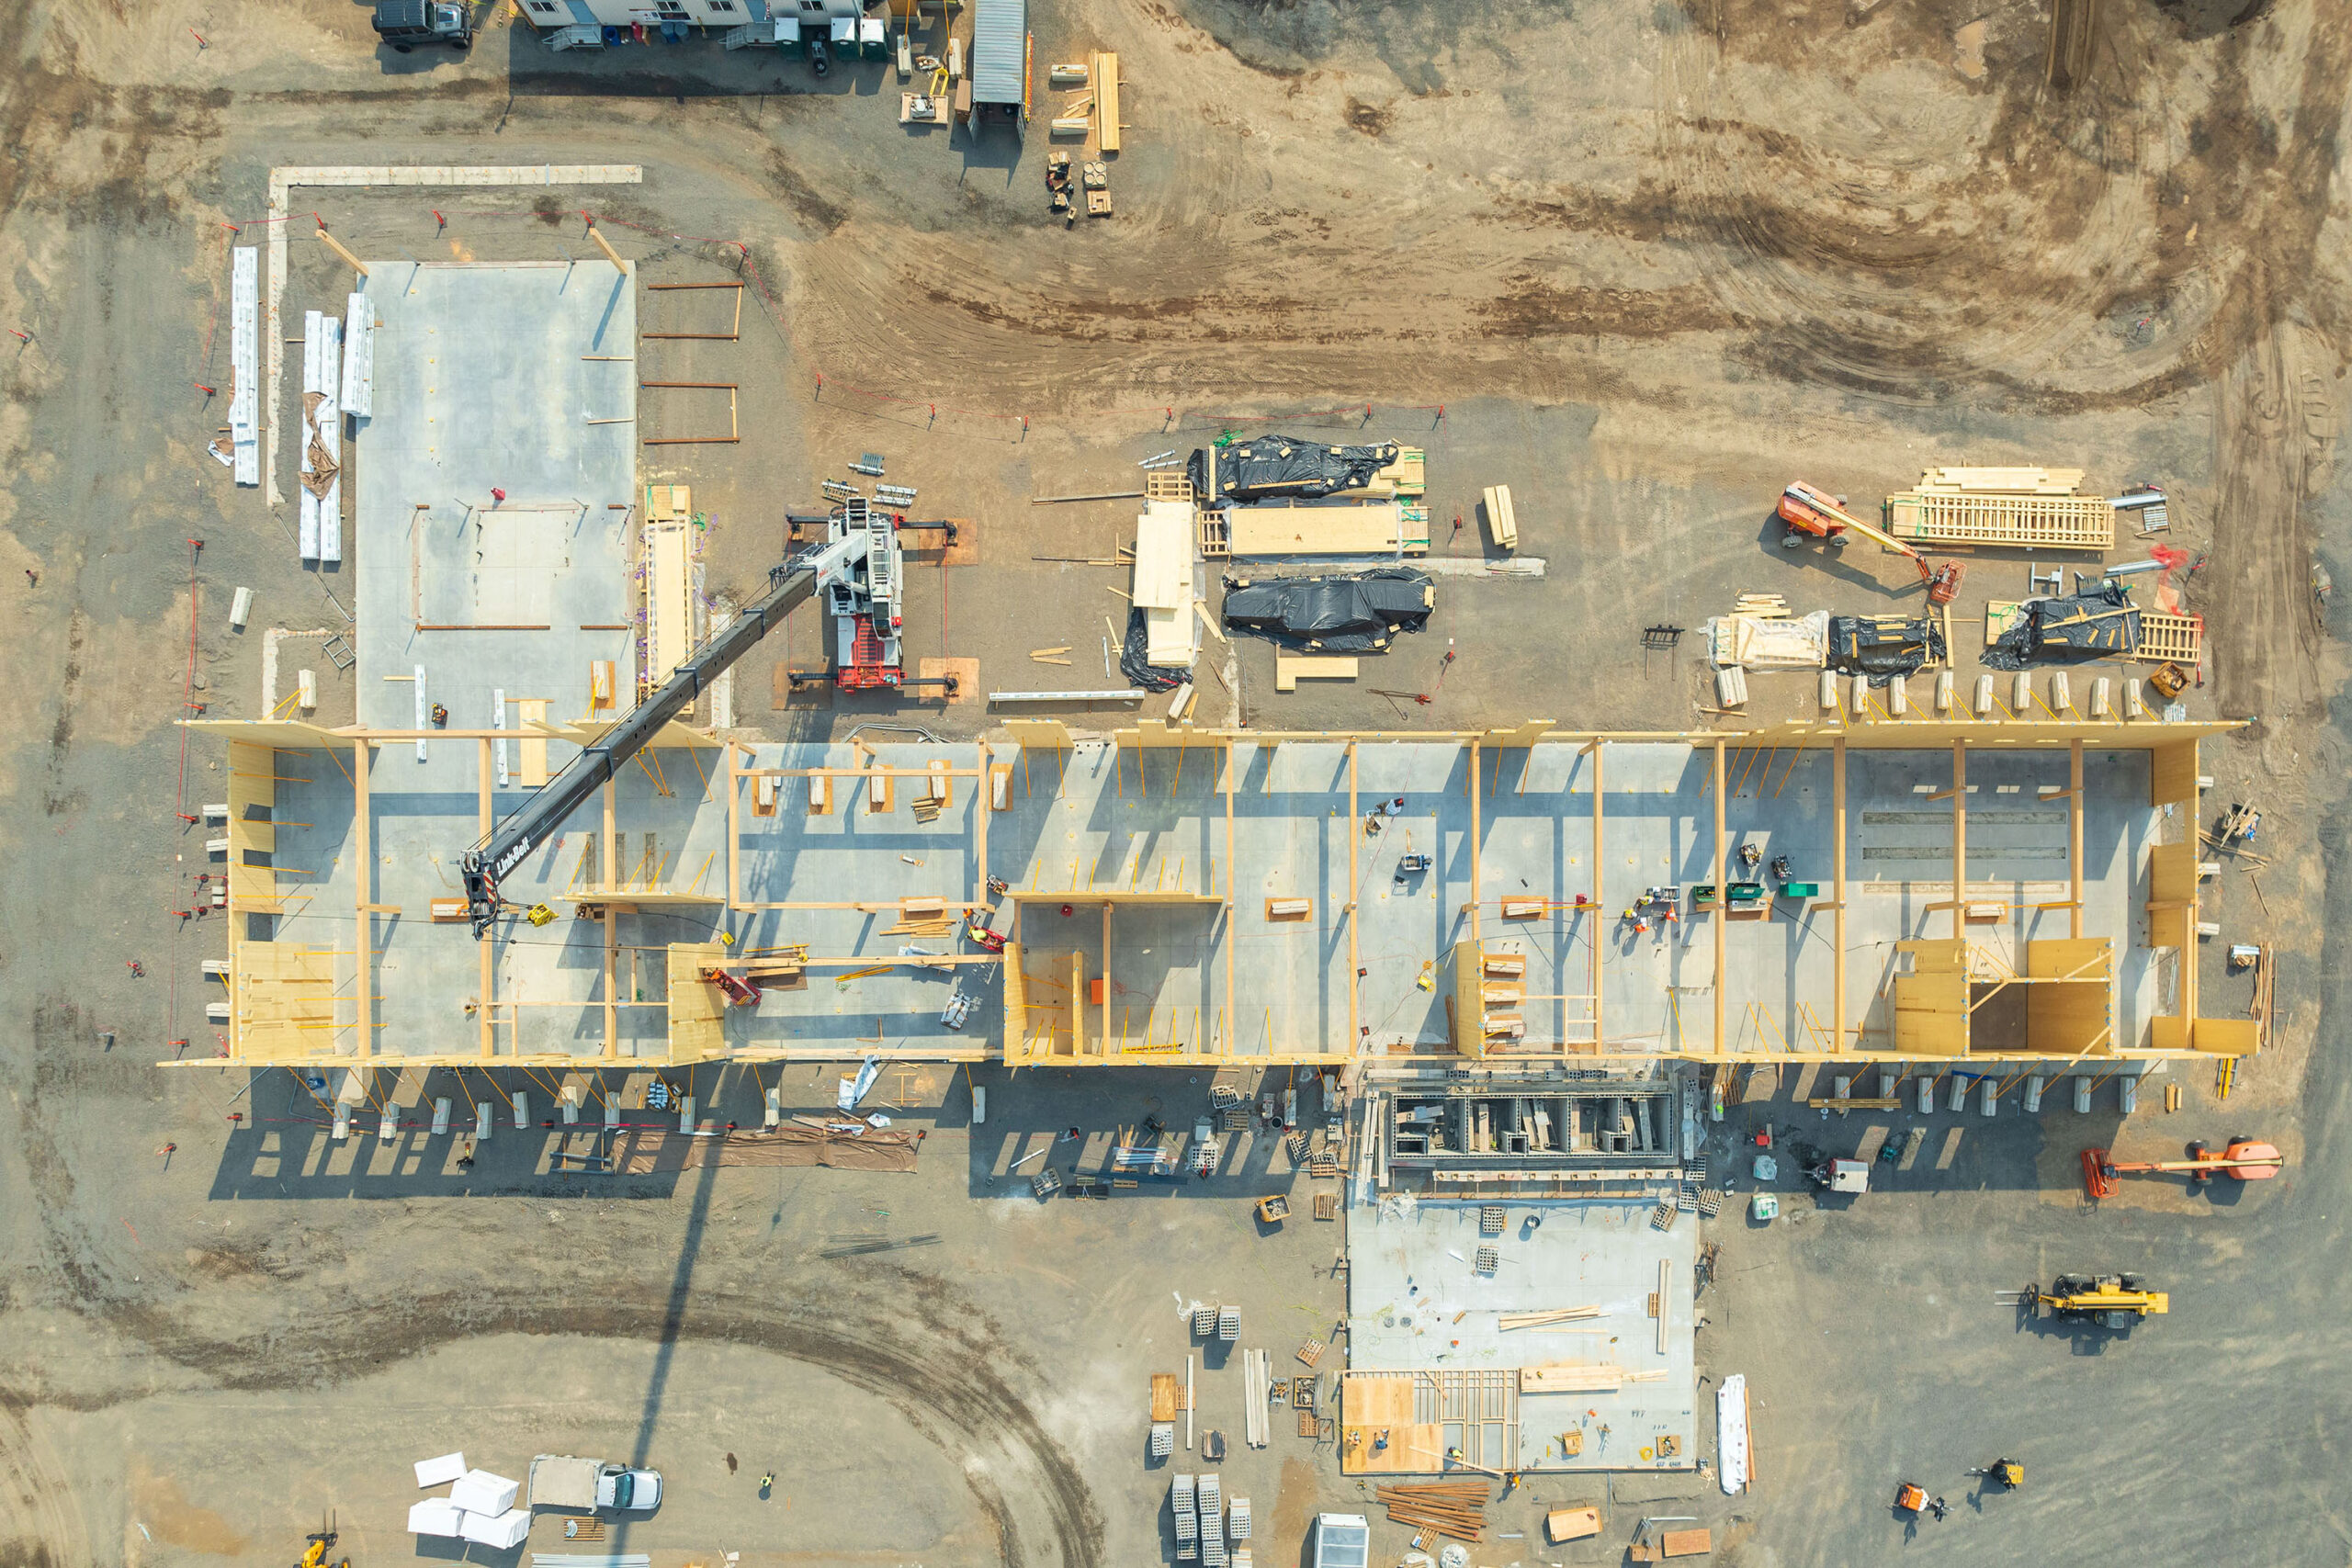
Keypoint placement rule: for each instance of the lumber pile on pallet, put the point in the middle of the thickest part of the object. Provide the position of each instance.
(1456, 1508)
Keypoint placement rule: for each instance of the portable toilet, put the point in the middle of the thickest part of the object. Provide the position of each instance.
(788, 35)
(873, 37)
(845, 38)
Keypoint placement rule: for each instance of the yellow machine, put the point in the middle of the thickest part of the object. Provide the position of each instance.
(2112, 1300)
(315, 1556)
(2005, 1473)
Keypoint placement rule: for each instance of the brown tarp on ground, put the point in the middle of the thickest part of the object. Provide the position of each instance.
(642, 1153)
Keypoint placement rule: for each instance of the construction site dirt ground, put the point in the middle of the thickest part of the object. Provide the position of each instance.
(1644, 262)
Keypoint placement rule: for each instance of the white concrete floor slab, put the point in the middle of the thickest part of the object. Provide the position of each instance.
(1418, 1303)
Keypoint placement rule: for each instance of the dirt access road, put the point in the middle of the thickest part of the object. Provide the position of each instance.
(1649, 259)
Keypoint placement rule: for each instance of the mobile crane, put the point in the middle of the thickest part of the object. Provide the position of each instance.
(835, 562)
(1814, 514)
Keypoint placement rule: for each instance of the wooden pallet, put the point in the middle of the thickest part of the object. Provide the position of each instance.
(1311, 1352)
(2046, 522)
(1213, 532)
(2178, 640)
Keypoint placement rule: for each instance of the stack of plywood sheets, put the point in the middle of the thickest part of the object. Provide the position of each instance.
(1365, 528)
(669, 597)
(2002, 506)
(1163, 582)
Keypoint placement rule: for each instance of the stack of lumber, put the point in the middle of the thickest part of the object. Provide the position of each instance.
(1539, 1319)
(929, 925)
(1771, 604)
(1450, 1507)
(1406, 479)
(1256, 1374)
(1581, 1377)
(2002, 481)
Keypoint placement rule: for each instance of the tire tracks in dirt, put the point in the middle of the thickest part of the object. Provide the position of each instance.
(2269, 455)
(905, 1338)
(1913, 247)
(39, 1526)
(1863, 256)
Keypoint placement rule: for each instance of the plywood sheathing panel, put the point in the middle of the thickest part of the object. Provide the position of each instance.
(697, 1007)
(282, 1002)
(2172, 773)
(2070, 1006)
(1931, 1001)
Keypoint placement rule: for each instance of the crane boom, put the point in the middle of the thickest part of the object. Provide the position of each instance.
(489, 863)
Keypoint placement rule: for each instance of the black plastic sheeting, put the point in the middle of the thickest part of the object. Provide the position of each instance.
(1135, 664)
(2099, 624)
(1359, 613)
(1279, 467)
(1882, 646)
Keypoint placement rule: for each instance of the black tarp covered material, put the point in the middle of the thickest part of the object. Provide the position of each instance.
(1882, 646)
(1135, 660)
(1281, 466)
(1357, 613)
(2099, 624)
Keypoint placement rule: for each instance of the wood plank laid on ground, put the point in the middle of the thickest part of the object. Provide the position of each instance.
(1290, 671)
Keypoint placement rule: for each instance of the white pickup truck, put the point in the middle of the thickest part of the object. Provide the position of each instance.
(559, 1481)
